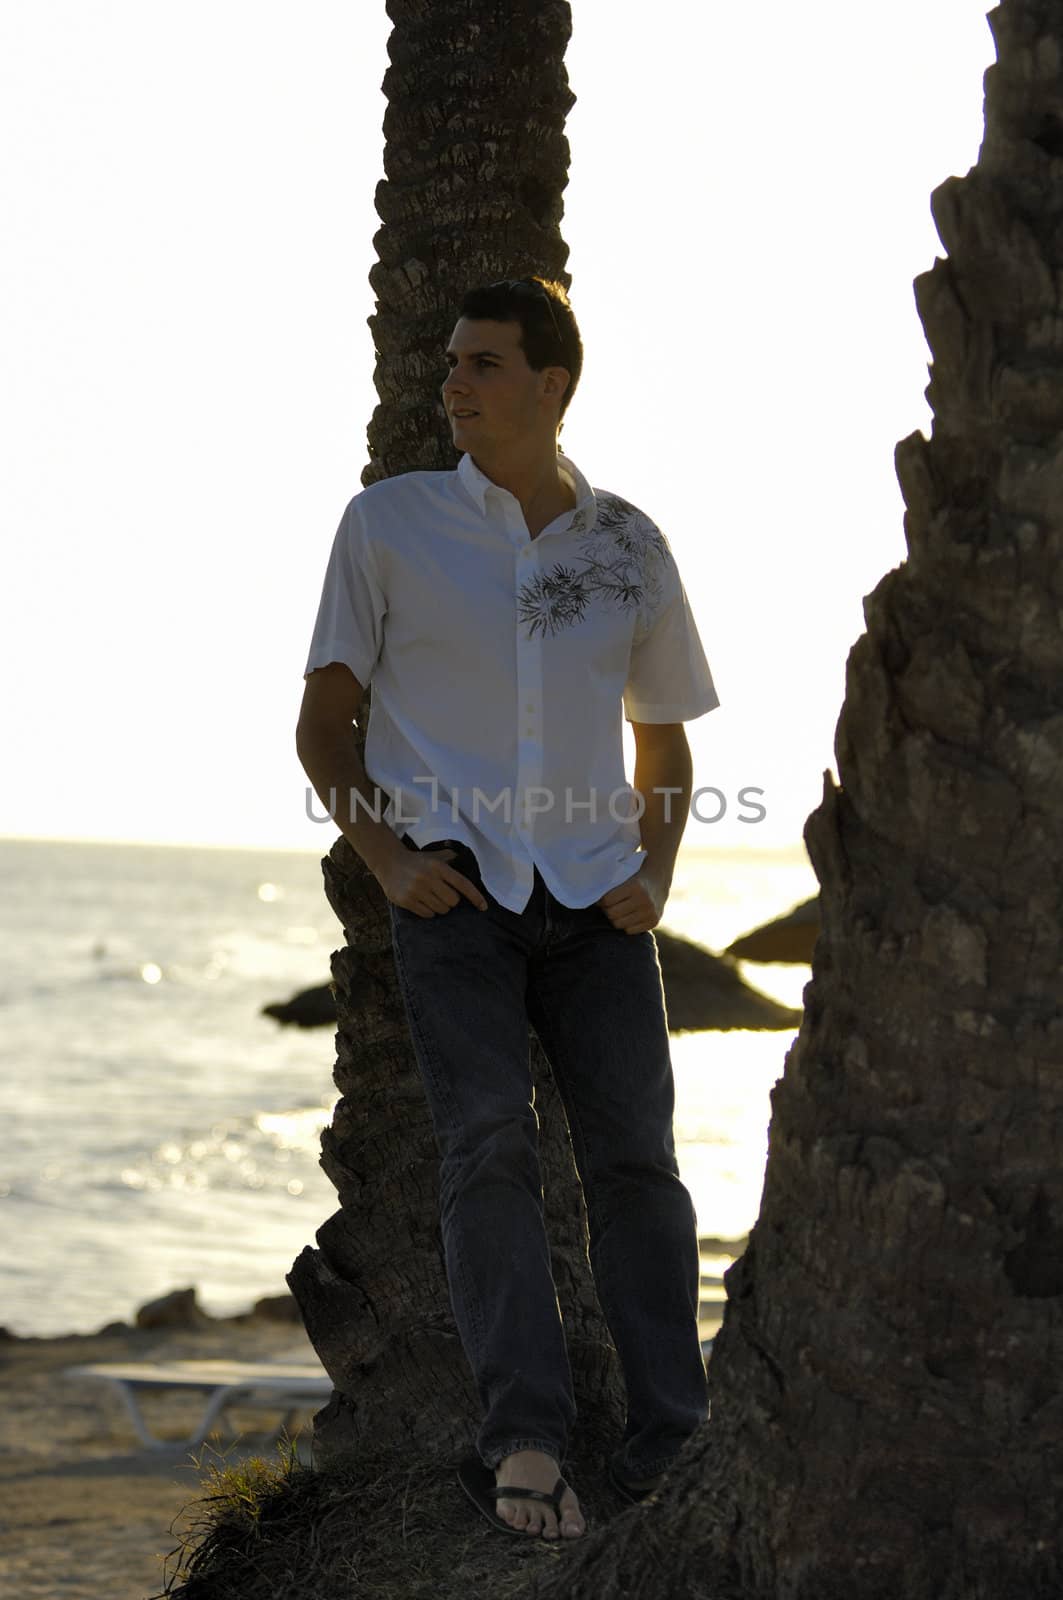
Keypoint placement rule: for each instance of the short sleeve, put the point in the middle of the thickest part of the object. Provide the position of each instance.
(668, 676)
(350, 616)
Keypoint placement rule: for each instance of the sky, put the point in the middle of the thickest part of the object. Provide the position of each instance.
(188, 204)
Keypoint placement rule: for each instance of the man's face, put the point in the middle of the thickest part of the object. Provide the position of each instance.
(492, 397)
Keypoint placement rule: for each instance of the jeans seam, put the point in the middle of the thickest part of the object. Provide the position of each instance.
(572, 1115)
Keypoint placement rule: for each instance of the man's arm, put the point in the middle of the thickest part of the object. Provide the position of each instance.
(662, 762)
(422, 882)
(325, 742)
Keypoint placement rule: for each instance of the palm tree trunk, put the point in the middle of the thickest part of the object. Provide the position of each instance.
(476, 164)
(886, 1411)
(476, 161)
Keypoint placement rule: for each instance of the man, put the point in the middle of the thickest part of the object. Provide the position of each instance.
(505, 612)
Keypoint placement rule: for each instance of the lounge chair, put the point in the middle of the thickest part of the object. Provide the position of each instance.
(287, 1385)
(284, 1385)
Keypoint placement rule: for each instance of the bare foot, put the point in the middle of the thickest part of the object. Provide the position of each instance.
(531, 1469)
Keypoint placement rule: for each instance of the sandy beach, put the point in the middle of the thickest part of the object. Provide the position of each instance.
(88, 1512)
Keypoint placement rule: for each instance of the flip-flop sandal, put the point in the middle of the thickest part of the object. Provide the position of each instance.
(479, 1484)
(627, 1490)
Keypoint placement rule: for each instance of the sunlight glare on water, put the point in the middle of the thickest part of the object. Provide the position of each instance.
(163, 1132)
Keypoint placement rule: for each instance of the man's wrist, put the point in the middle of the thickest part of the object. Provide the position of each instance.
(659, 867)
(378, 847)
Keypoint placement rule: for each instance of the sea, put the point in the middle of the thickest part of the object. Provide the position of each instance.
(160, 1133)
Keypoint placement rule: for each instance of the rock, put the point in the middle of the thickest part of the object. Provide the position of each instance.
(310, 1008)
(703, 990)
(790, 939)
(277, 1308)
(709, 1244)
(178, 1309)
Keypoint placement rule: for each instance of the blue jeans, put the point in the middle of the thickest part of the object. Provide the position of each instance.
(471, 982)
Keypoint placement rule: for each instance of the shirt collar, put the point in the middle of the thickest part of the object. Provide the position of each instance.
(478, 484)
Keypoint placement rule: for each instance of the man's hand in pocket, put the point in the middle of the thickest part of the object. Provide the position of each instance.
(637, 904)
(423, 882)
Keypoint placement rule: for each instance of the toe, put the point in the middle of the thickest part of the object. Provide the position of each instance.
(518, 1514)
(572, 1523)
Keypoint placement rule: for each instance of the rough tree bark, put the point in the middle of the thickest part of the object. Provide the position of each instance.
(476, 165)
(476, 162)
(886, 1409)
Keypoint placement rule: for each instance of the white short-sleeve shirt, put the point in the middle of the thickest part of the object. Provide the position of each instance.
(501, 665)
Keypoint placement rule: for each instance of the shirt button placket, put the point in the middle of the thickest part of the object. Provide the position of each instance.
(525, 648)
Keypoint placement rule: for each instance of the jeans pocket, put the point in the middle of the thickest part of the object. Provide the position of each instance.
(464, 860)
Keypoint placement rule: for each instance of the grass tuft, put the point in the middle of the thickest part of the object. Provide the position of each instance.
(379, 1527)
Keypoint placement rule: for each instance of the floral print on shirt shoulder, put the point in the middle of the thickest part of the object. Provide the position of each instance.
(619, 566)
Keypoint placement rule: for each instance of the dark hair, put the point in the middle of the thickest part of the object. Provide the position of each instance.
(549, 335)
